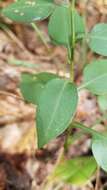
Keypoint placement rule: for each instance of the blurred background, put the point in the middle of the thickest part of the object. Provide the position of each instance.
(22, 166)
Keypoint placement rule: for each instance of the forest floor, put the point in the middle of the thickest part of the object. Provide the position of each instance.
(22, 166)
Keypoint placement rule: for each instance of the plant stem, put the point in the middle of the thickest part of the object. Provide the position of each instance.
(66, 143)
(97, 185)
(84, 49)
(72, 45)
(73, 23)
(39, 33)
(88, 130)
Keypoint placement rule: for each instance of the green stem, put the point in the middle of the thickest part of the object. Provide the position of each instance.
(39, 33)
(71, 59)
(85, 129)
(84, 48)
(88, 130)
(73, 40)
(66, 143)
(73, 22)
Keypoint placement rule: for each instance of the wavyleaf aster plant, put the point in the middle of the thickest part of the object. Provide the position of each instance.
(57, 98)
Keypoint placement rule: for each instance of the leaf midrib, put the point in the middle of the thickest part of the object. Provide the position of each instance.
(57, 104)
(91, 81)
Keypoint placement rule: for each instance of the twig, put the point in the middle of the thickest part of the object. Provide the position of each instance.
(97, 186)
(15, 39)
(39, 33)
(48, 181)
(12, 95)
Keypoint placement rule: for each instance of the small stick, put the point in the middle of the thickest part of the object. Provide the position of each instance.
(12, 95)
(97, 185)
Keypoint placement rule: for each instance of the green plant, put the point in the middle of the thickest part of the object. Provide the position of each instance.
(57, 98)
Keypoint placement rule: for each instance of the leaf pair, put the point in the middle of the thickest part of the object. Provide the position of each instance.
(56, 101)
(95, 77)
(60, 26)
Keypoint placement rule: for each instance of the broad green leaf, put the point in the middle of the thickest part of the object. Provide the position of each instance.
(60, 25)
(102, 101)
(98, 39)
(79, 26)
(31, 85)
(99, 149)
(95, 77)
(56, 108)
(28, 11)
(76, 171)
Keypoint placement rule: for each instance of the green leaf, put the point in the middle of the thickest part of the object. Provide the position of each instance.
(102, 101)
(60, 25)
(99, 145)
(98, 39)
(99, 149)
(45, 77)
(56, 108)
(79, 26)
(76, 171)
(28, 11)
(95, 77)
(31, 85)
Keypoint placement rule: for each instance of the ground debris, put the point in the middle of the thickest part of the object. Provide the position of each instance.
(19, 170)
(13, 176)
